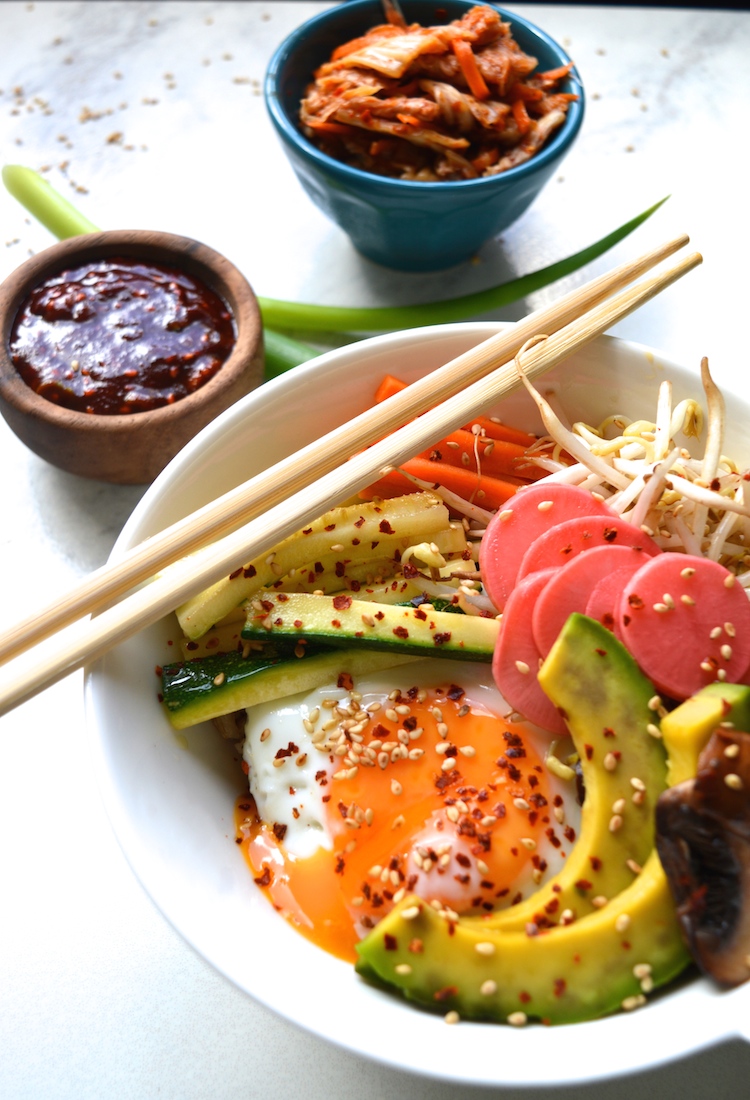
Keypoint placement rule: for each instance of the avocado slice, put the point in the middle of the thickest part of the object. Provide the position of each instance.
(609, 959)
(590, 676)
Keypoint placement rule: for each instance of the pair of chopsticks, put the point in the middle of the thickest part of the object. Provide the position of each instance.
(250, 520)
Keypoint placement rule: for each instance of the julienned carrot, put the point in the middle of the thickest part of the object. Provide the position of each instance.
(487, 492)
(521, 115)
(555, 74)
(330, 127)
(468, 62)
(493, 429)
(497, 458)
(388, 386)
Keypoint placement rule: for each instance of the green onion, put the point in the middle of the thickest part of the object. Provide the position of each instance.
(62, 219)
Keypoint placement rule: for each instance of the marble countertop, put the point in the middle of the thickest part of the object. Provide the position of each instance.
(151, 115)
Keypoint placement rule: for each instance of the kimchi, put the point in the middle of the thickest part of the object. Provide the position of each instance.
(451, 102)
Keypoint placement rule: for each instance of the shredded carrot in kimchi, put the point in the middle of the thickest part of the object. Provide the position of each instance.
(451, 102)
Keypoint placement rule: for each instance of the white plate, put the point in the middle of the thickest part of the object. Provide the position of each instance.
(171, 799)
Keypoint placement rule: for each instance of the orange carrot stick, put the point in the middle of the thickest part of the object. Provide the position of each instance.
(487, 492)
(388, 387)
(521, 115)
(555, 74)
(468, 62)
(497, 458)
(495, 430)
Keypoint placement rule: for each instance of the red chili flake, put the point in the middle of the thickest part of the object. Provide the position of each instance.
(356, 542)
(278, 622)
(279, 830)
(608, 620)
(390, 942)
(552, 906)
(609, 534)
(583, 884)
(379, 615)
(524, 997)
(625, 945)
(359, 522)
(410, 572)
(600, 652)
(191, 646)
(298, 624)
(455, 692)
(441, 638)
(446, 992)
(307, 530)
(635, 602)
(345, 681)
(336, 623)
(236, 573)
(282, 597)
(340, 569)
(567, 549)
(385, 528)
(569, 833)
(330, 527)
(595, 862)
(559, 986)
(267, 605)
(342, 603)
(401, 632)
(609, 732)
(290, 750)
(249, 571)
(420, 614)
(589, 750)
(626, 620)
(416, 947)
(265, 879)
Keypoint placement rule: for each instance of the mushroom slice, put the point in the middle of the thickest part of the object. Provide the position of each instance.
(703, 840)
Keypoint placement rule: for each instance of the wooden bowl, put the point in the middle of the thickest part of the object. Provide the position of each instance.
(128, 449)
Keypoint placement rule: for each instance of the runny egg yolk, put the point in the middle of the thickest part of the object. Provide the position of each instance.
(424, 793)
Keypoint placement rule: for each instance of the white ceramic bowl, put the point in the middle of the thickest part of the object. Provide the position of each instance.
(171, 799)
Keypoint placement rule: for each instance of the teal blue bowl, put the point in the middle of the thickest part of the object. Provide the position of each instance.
(403, 224)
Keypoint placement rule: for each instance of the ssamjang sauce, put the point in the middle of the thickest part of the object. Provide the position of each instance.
(120, 336)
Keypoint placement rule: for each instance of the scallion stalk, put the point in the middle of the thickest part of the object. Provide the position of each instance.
(63, 220)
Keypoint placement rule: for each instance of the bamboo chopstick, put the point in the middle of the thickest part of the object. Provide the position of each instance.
(91, 639)
(266, 489)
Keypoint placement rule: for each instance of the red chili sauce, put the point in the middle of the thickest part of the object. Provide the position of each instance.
(120, 336)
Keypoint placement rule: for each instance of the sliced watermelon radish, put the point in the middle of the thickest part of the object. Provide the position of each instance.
(561, 543)
(604, 601)
(569, 589)
(517, 657)
(531, 512)
(686, 622)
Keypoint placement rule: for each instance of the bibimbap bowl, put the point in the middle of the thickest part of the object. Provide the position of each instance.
(405, 224)
(171, 796)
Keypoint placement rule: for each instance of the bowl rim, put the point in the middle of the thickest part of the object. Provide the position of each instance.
(285, 126)
(196, 258)
(694, 1029)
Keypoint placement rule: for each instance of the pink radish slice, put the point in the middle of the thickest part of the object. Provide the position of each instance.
(604, 601)
(686, 622)
(570, 588)
(528, 514)
(516, 659)
(560, 544)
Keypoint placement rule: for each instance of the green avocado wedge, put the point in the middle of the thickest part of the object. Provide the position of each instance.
(609, 959)
(593, 679)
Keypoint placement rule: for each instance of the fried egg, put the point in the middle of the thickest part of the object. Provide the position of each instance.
(409, 781)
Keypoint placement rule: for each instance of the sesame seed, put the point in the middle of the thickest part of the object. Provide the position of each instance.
(461, 806)
(732, 751)
(687, 600)
(633, 866)
(398, 821)
(599, 901)
(442, 747)
(391, 715)
(488, 988)
(661, 608)
(729, 627)
(452, 1017)
(622, 923)
(468, 750)
(687, 572)
(610, 762)
(279, 762)
(505, 515)
(415, 754)
(403, 968)
(442, 730)
(337, 547)
(447, 764)
(396, 787)
(368, 620)
(528, 842)
(482, 867)
(544, 505)
(715, 633)
(265, 734)
(729, 580)
(300, 761)
(615, 823)
(653, 730)
(726, 652)
(559, 812)
(567, 916)
(521, 804)
(630, 1003)
(642, 970)
(487, 821)
(383, 759)
(219, 679)
(637, 784)
(452, 814)
(522, 667)
(518, 1019)
(402, 709)
(654, 702)
(668, 600)
(618, 806)
(484, 948)
(639, 797)
(733, 781)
